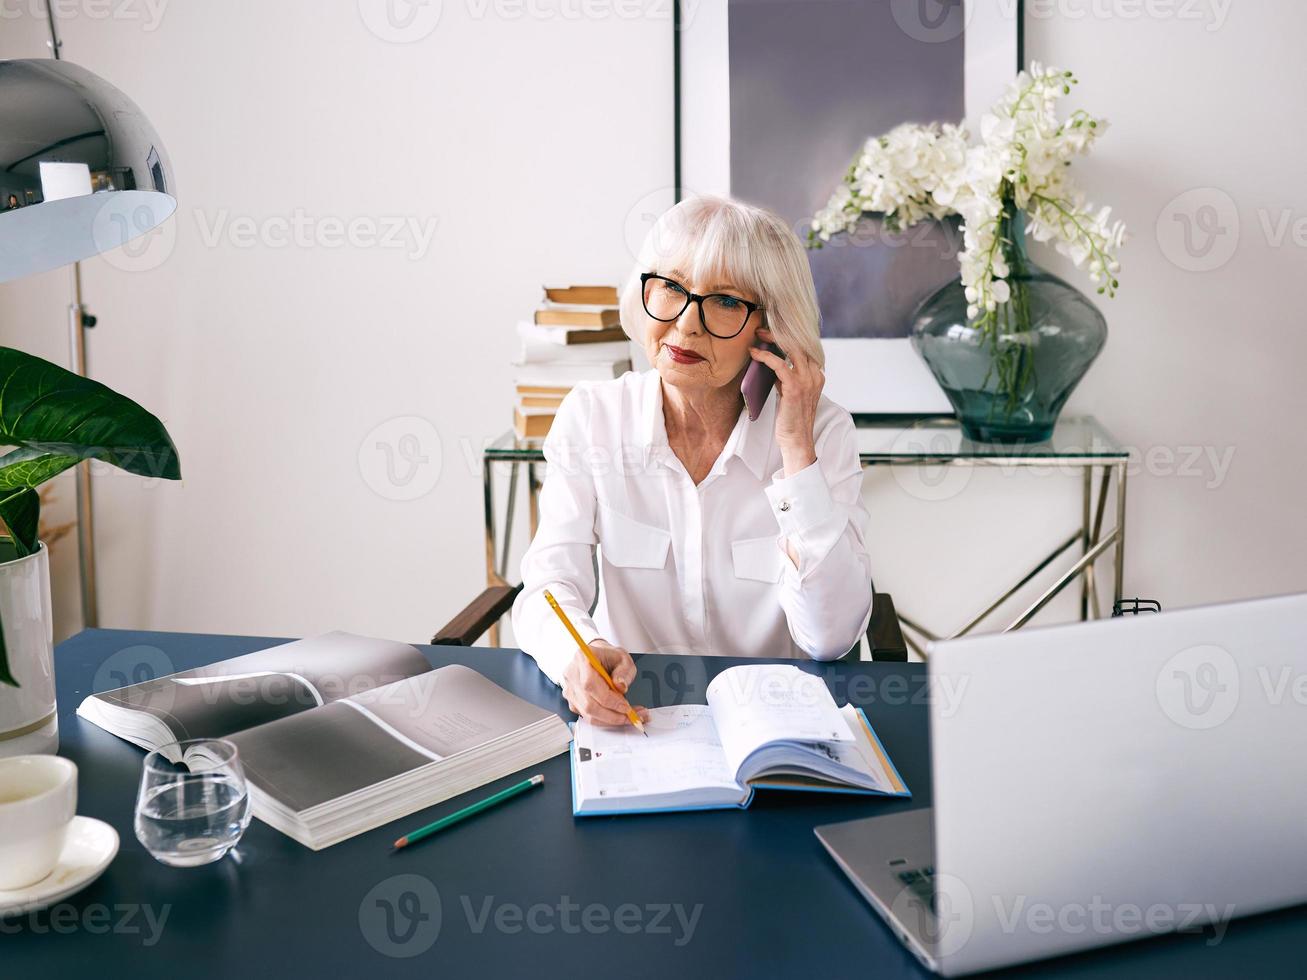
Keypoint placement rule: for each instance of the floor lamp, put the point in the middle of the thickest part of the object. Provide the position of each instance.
(82, 172)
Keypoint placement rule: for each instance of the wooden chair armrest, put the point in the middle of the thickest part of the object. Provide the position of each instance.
(477, 616)
(884, 634)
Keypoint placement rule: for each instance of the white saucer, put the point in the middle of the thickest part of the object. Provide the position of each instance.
(90, 846)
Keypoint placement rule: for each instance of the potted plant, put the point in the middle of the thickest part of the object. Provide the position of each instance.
(53, 419)
(1007, 341)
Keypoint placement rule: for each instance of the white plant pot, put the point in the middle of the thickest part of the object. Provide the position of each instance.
(28, 722)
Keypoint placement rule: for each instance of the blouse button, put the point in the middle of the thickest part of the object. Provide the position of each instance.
(785, 505)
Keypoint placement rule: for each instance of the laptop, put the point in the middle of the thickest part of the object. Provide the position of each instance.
(1097, 783)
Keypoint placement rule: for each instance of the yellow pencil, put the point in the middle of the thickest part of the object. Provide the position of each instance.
(594, 661)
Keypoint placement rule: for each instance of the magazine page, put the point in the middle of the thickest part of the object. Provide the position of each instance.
(354, 743)
(256, 688)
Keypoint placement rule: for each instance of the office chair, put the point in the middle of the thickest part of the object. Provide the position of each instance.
(884, 635)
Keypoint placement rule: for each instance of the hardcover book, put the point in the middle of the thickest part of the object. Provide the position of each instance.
(765, 726)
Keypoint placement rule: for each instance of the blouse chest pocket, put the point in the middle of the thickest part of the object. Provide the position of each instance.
(760, 559)
(628, 543)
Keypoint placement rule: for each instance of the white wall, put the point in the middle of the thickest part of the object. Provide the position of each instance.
(530, 141)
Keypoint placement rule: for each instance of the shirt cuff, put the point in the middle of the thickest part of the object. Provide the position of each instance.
(801, 501)
(807, 517)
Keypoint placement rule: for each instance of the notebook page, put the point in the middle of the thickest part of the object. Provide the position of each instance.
(862, 763)
(757, 704)
(681, 753)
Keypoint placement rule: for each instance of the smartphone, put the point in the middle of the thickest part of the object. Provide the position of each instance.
(758, 382)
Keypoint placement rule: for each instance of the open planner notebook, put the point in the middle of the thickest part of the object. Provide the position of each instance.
(338, 733)
(765, 726)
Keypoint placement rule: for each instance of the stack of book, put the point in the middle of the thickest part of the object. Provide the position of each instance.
(576, 335)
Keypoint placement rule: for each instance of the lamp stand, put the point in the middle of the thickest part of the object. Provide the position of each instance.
(78, 322)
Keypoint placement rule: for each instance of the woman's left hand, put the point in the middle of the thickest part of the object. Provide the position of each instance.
(799, 382)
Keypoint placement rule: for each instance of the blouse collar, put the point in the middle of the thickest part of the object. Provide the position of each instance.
(750, 441)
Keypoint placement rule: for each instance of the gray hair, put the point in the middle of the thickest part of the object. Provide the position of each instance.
(718, 239)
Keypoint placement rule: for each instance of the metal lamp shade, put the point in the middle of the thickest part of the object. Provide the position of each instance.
(84, 165)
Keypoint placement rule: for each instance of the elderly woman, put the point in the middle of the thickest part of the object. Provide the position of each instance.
(716, 535)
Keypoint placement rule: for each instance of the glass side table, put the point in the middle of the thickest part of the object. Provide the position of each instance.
(1078, 443)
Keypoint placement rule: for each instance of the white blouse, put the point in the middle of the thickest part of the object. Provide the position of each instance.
(693, 569)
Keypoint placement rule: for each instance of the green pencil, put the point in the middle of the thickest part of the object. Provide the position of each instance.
(469, 811)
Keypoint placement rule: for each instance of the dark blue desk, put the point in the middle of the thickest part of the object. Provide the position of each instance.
(524, 890)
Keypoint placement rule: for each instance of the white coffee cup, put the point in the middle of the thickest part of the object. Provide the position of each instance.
(38, 800)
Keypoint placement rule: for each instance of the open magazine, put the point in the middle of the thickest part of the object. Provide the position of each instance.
(339, 733)
(765, 726)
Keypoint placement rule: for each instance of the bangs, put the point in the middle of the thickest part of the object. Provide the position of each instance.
(704, 243)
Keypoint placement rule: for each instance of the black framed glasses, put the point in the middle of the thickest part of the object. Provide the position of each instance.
(721, 314)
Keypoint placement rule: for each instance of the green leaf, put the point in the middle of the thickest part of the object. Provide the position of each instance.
(55, 419)
(21, 512)
(26, 468)
(55, 414)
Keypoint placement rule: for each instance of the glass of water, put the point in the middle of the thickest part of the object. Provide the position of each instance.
(194, 811)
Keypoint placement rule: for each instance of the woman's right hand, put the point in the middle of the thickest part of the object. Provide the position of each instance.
(587, 693)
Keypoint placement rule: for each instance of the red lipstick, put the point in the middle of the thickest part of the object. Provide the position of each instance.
(682, 356)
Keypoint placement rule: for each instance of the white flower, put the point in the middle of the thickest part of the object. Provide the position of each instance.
(917, 172)
(895, 176)
(997, 130)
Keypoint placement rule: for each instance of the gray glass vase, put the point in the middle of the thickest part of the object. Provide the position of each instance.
(1009, 376)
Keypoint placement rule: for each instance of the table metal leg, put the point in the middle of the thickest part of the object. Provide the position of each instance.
(1092, 546)
(508, 523)
(1087, 492)
(915, 646)
(1085, 560)
(1090, 575)
(910, 624)
(499, 546)
(1025, 580)
(488, 498)
(917, 626)
(1120, 532)
(533, 498)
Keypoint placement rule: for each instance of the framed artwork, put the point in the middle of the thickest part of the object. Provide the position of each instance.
(775, 98)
